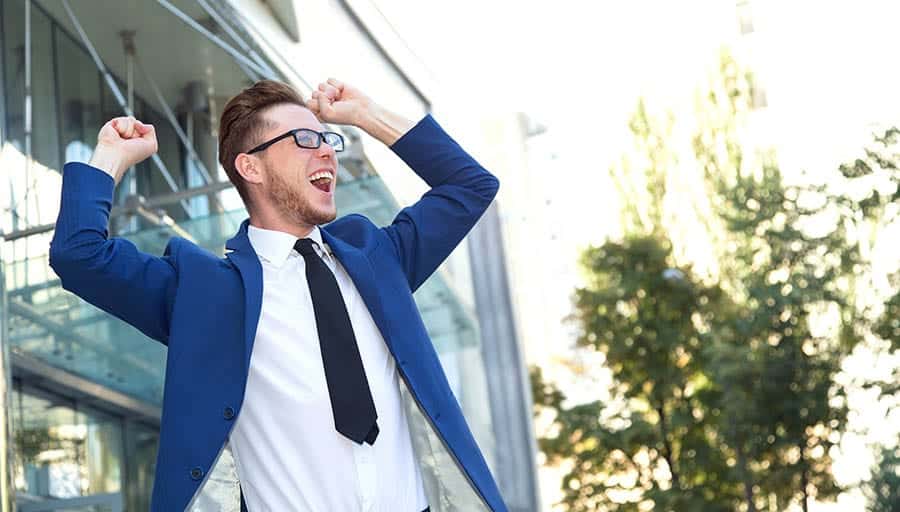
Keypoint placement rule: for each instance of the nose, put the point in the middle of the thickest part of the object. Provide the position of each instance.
(326, 151)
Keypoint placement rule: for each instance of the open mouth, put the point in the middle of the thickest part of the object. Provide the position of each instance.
(322, 180)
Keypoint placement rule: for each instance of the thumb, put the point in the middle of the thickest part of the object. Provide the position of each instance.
(143, 128)
(313, 104)
(324, 104)
(148, 134)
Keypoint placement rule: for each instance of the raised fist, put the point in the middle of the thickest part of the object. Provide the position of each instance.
(122, 143)
(339, 103)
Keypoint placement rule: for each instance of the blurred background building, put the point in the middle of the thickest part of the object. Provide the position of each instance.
(83, 390)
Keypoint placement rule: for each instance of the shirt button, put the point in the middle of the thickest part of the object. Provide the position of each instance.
(196, 473)
(228, 413)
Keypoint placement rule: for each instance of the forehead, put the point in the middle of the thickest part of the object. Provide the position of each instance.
(287, 116)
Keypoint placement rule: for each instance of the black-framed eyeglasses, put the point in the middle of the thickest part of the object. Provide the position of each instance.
(306, 138)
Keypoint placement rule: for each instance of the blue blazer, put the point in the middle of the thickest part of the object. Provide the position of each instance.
(206, 309)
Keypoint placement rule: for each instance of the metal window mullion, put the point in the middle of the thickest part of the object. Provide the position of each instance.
(27, 107)
(119, 97)
(27, 127)
(3, 98)
(7, 493)
(60, 120)
(130, 180)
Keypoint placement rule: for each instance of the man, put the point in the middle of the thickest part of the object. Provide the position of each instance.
(343, 405)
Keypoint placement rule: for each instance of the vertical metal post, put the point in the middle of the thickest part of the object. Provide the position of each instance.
(508, 386)
(7, 493)
(2, 82)
(27, 105)
(189, 129)
(211, 200)
(130, 179)
(27, 130)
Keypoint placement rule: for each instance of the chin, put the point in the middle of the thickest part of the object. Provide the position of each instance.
(330, 216)
(325, 216)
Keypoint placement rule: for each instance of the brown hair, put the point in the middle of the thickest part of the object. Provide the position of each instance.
(242, 125)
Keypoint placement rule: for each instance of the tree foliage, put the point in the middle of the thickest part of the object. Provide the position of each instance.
(724, 380)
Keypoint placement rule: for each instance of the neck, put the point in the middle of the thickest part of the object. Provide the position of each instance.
(272, 221)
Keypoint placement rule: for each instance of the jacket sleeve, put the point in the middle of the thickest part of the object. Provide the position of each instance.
(424, 234)
(110, 273)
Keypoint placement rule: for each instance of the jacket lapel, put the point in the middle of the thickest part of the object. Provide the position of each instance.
(360, 269)
(247, 262)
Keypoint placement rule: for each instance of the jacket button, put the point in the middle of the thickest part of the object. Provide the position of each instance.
(228, 413)
(197, 473)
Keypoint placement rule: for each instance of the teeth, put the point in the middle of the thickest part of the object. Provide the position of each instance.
(320, 174)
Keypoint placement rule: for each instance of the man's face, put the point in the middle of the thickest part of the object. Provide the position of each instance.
(288, 169)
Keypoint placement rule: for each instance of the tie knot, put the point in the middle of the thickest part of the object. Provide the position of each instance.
(305, 246)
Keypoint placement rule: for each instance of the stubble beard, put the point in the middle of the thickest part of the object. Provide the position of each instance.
(290, 203)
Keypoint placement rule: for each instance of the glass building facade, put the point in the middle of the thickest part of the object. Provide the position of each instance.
(83, 390)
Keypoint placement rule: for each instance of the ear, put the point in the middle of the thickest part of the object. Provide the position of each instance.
(249, 167)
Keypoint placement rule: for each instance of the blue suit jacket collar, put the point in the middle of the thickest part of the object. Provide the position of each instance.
(354, 261)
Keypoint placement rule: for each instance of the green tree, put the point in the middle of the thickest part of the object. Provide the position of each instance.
(775, 374)
(654, 447)
(725, 396)
(883, 490)
(872, 210)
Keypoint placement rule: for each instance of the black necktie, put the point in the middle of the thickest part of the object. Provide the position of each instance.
(351, 401)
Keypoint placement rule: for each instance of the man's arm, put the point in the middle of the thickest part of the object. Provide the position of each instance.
(423, 235)
(110, 273)
(384, 125)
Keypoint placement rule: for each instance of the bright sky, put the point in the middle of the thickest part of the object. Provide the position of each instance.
(829, 70)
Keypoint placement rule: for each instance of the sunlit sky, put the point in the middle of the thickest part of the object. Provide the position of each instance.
(582, 64)
(828, 68)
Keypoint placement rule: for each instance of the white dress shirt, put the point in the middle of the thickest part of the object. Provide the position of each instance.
(289, 456)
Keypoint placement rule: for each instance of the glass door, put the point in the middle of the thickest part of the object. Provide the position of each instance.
(67, 456)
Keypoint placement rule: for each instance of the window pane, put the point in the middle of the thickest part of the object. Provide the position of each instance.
(62, 452)
(45, 136)
(102, 451)
(45, 454)
(142, 443)
(79, 99)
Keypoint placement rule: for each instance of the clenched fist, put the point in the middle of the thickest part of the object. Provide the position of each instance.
(339, 103)
(122, 143)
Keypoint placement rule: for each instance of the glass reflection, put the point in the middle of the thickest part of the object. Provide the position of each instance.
(63, 451)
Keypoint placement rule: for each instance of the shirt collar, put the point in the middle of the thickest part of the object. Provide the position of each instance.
(277, 246)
